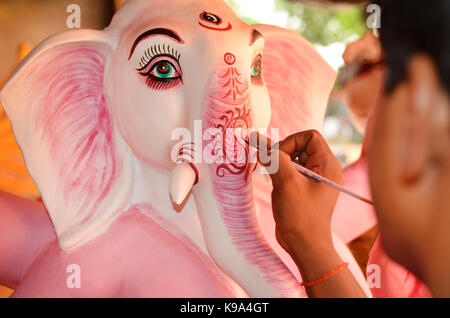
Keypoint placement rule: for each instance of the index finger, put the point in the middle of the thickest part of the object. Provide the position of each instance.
(310, 141)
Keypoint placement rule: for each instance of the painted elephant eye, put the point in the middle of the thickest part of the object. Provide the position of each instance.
(164, 70)
(160, 65)
(210, 17)
(256, 71)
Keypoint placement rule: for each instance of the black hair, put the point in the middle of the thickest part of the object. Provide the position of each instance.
(409, 27)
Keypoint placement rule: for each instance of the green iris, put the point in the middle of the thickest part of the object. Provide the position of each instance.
(164, 70)
(255, 71)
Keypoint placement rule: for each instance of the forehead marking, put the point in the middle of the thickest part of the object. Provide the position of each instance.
(229, 58)
(212, 19)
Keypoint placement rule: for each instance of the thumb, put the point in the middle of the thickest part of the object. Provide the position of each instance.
(281, 169)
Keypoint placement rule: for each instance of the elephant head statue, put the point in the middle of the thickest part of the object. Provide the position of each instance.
(94, 113)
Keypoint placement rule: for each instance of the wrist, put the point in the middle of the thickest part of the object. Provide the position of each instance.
(313, 251)
(315, 242)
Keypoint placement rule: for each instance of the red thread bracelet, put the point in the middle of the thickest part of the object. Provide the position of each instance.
(327, 275)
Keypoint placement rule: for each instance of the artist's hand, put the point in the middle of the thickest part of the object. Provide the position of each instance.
(302, 207)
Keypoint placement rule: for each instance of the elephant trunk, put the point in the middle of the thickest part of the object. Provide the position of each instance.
(224, 194)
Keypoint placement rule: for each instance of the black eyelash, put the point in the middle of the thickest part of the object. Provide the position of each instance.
(155, 51)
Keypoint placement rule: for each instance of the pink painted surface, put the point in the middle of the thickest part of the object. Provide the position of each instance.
(229, 108)
(33, 263)
(396, 281)
(76, 122)
(25, 229)
(161, 263)
(290, 111)
(298, 81)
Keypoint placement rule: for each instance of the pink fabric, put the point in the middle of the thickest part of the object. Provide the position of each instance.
(351, 217)
(396, 281)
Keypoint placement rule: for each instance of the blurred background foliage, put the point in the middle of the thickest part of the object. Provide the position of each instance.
(320, 24)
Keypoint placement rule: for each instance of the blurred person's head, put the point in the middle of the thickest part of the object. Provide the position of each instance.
(362, 57)
(410, 142)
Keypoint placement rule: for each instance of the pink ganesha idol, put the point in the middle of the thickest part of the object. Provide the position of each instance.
(96, 114)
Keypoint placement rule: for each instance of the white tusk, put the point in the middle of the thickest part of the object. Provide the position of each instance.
(182, 179)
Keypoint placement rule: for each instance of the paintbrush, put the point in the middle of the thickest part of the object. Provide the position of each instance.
(308, 173)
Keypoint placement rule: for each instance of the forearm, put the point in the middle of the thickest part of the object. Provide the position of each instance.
(303, 208)
(318, 258)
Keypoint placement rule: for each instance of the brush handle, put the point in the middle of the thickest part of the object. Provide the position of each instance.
(308, 173)
(317, 177)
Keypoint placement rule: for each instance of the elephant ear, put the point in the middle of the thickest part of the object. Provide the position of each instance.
(61, 119)
(299, 80)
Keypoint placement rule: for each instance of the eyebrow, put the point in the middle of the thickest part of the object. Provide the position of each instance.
(254, 36)
(157, 31)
